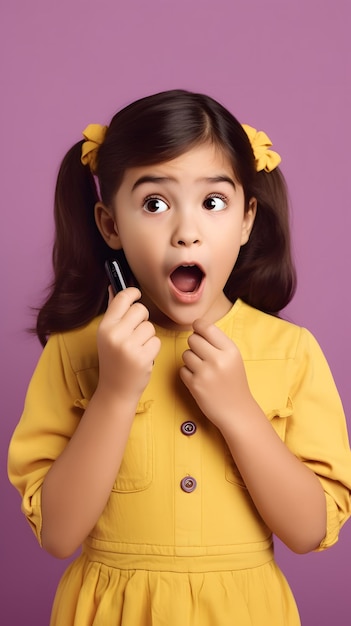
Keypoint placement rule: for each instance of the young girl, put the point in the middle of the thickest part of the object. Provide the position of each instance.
(173, 433)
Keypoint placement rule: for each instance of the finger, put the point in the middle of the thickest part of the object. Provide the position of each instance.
(147, 353)
(125, 308)
(151, 349)
(110, 295)
(199, 346)
(136, 315)
(122, 302)
(186, 376)
(143, 333)
(211, 333)
(191, 361)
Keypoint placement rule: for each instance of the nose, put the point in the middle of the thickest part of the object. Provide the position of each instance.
(186, 232)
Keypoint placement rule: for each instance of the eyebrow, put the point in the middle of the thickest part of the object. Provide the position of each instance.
(164, 179)
(151, 179)
(220, 179)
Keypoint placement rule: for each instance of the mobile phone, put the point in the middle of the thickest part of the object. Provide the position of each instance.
(115, 276)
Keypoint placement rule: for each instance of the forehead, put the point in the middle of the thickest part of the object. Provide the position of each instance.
(202, 161)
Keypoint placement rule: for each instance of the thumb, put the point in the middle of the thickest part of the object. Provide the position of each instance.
(110, 295)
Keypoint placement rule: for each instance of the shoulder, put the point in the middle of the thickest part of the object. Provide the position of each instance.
(269, 336)
(78, 346)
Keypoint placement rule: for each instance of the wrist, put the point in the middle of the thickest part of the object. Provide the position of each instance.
(242, 421)
(115, 400)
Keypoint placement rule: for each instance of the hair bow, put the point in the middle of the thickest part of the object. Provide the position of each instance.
(94, 135)
(265, 159)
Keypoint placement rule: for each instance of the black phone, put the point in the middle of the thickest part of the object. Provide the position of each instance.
(115, 275)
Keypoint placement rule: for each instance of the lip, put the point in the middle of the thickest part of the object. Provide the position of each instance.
(187, 297)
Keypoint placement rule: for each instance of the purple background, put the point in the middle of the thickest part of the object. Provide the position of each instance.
(280, 66)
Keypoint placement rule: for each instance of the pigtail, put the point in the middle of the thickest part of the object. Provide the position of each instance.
(264, 275)
(78, 291)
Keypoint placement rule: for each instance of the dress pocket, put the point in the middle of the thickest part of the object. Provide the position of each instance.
(278, 419)
(136, 470)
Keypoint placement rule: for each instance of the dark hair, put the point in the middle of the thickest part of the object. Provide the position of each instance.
(151, 130)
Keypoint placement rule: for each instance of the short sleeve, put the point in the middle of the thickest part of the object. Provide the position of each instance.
(317, 431)
(52, 410)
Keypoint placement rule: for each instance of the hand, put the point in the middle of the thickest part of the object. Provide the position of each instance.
(127, 345)
(214, 373)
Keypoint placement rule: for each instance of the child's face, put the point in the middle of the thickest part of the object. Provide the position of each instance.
(181, 225)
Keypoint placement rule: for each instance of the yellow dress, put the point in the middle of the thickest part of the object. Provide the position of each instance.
(180, 542)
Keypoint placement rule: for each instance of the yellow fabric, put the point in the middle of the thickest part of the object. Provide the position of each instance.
(265, 158)
(159, 556)
(94, 135)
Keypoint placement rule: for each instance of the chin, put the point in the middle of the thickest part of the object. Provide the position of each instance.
(174, 321)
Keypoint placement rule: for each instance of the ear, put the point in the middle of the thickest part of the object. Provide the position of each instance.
(107, 226)
(248, 221)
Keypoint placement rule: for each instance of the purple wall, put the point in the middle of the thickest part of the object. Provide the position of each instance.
(278, 65)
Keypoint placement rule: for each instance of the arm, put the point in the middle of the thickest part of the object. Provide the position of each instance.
(77, 486)
(287, 494)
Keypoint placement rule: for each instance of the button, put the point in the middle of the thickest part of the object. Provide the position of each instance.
(188, 484)
(188, 428)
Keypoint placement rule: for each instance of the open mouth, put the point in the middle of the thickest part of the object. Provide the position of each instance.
(187, 278)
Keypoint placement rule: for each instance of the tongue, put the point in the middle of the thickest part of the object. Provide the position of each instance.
(186, 279)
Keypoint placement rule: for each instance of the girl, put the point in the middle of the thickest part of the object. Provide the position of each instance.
(173, 434)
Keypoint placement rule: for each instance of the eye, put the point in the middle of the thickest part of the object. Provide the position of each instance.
(155, 205)
(215, 203)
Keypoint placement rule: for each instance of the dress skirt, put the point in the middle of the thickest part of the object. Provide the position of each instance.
(155, 590)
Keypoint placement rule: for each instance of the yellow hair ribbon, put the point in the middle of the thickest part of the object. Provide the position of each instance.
(265, 159)
(94, 135)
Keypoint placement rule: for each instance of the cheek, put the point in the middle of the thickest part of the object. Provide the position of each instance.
(142, 258)
(228, 248)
